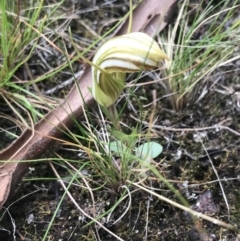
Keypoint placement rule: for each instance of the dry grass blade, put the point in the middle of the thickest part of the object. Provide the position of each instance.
(195, 59)
(189, 210)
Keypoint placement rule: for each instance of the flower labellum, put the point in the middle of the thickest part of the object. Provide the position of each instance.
(128, 53)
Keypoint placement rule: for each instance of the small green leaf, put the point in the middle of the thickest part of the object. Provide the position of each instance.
(118, 135)
(122, 137)
(149, 149)
(117, 147)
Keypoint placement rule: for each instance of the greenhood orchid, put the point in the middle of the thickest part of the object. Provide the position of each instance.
(128, 53)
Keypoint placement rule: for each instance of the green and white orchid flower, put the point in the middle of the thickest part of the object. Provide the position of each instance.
(132, 52)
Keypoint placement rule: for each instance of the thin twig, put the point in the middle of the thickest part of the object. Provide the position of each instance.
(64, 84)
(220, 183)
(219, 126)
(189, 210)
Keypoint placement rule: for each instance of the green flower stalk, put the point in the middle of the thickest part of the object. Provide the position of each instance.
(128, 53)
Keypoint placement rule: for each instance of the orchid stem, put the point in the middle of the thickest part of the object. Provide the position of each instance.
(114, 117)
